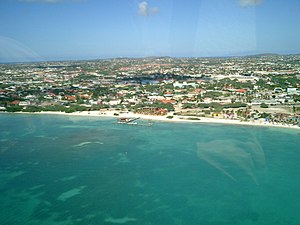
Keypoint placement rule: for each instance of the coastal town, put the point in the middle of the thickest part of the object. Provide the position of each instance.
(254, 88)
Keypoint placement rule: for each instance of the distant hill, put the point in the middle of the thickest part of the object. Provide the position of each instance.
(262, 55)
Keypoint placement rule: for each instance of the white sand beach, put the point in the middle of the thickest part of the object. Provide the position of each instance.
(117, 114)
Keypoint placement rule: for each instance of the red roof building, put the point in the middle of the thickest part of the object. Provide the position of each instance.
(241, 91)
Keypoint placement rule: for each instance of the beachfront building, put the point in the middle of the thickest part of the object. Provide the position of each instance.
(153, 111)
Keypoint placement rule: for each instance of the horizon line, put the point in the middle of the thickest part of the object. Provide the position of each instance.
(145, 57)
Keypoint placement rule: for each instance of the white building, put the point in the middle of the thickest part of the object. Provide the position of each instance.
(293, 91)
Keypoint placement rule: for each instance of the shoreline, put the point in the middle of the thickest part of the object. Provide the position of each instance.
(183, 119)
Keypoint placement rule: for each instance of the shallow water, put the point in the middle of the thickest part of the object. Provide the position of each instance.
(78, 170)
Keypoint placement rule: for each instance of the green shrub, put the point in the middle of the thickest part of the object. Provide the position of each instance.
(264, 105)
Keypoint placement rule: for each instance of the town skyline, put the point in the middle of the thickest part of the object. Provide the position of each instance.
(54, 30)
(244, 88)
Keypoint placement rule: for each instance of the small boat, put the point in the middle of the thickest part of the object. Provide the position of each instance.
(132, 121)
(125, 120)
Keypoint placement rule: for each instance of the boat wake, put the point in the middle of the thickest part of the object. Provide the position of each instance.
(88, 143)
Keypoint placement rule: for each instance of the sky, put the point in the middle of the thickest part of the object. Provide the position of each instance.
(39, 30)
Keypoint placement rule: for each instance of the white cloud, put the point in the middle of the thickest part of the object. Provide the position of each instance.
(145, 10)
(250, 2)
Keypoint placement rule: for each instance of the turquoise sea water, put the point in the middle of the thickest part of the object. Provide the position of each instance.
(65, 170)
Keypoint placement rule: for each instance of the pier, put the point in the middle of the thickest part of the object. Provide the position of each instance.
(132, 121)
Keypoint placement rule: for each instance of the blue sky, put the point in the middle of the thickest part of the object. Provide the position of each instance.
(33, 30)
